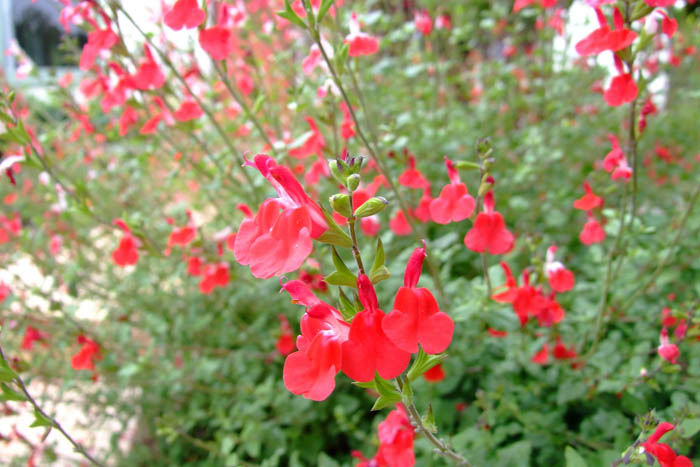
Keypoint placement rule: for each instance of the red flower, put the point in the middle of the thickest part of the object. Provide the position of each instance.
(489, 231)
(396, 440)
(588, 201)
(278, 239)
(4, 291)
(188, 110)
(399, 224)
(148, 75)
(660, 3)
(311, 61)
(99, 39)
(560, 352)
(285, 342)
(423, 22)
(214, 275)
(541, 357)
(31, 335)
(314, 144)
(368, 349)
(360, 43)
(604, 38)
(666, 350)
(668, 25)
(311, 370)
(622, 90)
(560, 278)
(86, 356)
(616, 161)
(592, 231)
(435, 374)
(416, 317)
(412, 177)
(216, 41)
(184, 13)
(454, 203)
(663, 452)
(125, 254)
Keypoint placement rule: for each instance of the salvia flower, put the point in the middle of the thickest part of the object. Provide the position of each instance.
(126, 253)
(489, 231)
(368, 349)
(592, 231)
(616, 162)
(454, 203)
(560, 278)
(311, 370)
(86, 356)
(604, 38)
(663, 452)
(416, 317)
(589, 201)
(279, 238)
(184, 14)
(667, 350)
(360, 43)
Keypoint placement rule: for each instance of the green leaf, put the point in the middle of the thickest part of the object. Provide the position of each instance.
(11, 395)
(341, 57)
(429, 420)
(41, 420)
(423, 363)
(290, 15)
(388, 395)
(385, 401)
(342, 275)
(573, 458)
(466, 165)
(323, 9)
(690, 427)
(6, 118)
(347, 308)
(379, 271)
(334, 235)
(7, 374)
(258, 103)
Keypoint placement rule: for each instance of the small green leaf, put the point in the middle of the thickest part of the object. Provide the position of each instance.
(290, 15)
(429, 420)
(347, 308)
(339, 278)
(466, 165)
(11, 395)
(41, 420)
(6, 118)
(385, 401)
(323, 9)
(379, 271)
(341, 57)
(573, 458)
(334, 235)
(423, 363)
(7, 374)
(690, 427)
(258, 103)
(388, 395)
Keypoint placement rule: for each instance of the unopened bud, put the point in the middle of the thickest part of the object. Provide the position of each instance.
(466, 165)
(341, 204)
(486, 184)
(371, 207)
(352, 182)
(337, 169)
(483, 148)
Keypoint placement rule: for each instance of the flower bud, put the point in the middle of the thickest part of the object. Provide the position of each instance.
(337, 168)
(352, 182)
(466, 165)
(483, 148)
(371, 207)
(341, 204)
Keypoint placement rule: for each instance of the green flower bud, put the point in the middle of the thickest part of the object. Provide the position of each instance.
(337, 169)
(352, 182)
(466, 165)
(341, 204)
(371, 207)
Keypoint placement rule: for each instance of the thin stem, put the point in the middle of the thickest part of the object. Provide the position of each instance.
(207, 111)
(441, 447)
(608, 280)
(244, 106)
(672, 246)
(78, 447)
(435, 273)
(353, 236)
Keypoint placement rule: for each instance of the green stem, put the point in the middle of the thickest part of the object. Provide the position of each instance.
(55, 424)
(441, 447)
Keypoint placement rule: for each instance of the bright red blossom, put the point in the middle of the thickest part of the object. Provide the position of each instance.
(86, 356)
(368, 349)
(588, 201)
(416, 317)
(278, 239)
(454, 203)
(489, 231)
(311, 370)
(360, 43)
(126, 253)
(184, 13)
(663, 452)
(592, 231)
(560, 278)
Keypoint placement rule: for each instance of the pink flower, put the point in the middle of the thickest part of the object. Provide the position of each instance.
(454, 203)
(360, 43)
(279, 238)
(666, 350)
(560, 278)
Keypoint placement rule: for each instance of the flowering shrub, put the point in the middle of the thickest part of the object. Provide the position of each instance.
(220, 152)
